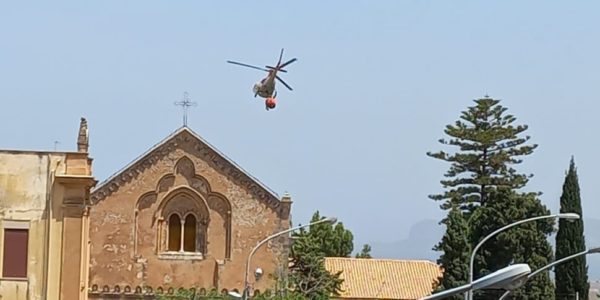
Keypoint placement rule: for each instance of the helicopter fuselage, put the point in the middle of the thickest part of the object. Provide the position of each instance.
(266, 87)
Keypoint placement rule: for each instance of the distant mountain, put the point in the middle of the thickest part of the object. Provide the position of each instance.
(422, 237)
(427, 233)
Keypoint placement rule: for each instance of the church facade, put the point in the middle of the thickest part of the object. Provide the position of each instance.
(183, 215)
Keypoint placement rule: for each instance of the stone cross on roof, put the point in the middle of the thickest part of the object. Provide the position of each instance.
(185, 104)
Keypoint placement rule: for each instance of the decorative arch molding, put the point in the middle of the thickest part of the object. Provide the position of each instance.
(165, 183)
(222, 206)
(146, 200)
(192, 195)
(185, 167)
(219, 202)
(200, 184)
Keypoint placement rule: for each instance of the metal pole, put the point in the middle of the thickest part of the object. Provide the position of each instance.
(246, 291)
(470, 293)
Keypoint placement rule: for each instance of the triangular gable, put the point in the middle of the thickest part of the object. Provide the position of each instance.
(208, 152)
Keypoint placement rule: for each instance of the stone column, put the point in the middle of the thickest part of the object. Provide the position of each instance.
(75, 183)
(74, 263)
(71, 252)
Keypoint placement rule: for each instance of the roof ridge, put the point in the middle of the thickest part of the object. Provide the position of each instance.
(231, 161)
(202, 140)
(131, 163)
(380, 259)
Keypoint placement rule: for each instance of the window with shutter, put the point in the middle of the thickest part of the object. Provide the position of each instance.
(14, 260)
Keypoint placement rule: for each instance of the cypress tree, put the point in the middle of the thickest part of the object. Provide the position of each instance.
(571, 276)
(482, 183)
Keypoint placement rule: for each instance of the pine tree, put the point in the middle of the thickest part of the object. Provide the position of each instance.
(571, 276)
(308, 275)
(525, 243)
(489, 144)
(310, 247)
(365, 252)
(455, 257)
(481, 183)
(334, 240)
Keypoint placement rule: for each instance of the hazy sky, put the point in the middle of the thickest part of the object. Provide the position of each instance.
(374, 86)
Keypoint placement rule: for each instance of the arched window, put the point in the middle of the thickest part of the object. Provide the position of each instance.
(174, 233)
(183, 235)
(189, 234)
(183, 226)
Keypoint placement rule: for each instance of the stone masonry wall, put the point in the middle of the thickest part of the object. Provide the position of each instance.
(128, 215)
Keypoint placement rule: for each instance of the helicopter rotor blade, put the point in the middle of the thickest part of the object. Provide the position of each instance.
(273, 68)
(288, 62)
(246, 65)
(280, 56)
(286, 85)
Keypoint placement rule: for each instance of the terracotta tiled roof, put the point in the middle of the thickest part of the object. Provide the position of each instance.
(384, 278)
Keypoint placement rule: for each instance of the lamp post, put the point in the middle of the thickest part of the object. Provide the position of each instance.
(509, 278)
(549, 266)
(568, 216)
(331, 220)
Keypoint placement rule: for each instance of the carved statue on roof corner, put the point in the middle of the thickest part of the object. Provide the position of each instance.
(83, 138)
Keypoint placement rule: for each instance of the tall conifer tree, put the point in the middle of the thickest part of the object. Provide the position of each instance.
(489, 145)
(571, 276)
(525, 243)
(482, 183)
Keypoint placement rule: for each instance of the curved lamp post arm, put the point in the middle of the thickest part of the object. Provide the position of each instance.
(562, 215)
(245, 292)
(549, 266)
(505, 278)
(489, 236)
(448, 293)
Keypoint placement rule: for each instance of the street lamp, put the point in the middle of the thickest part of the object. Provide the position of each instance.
(549, 266)
(331, 220)
(567, 216)
(509, 278)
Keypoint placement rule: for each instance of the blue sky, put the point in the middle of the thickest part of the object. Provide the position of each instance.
(374, 86)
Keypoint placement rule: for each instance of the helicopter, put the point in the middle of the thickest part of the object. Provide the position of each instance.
(266, 87)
